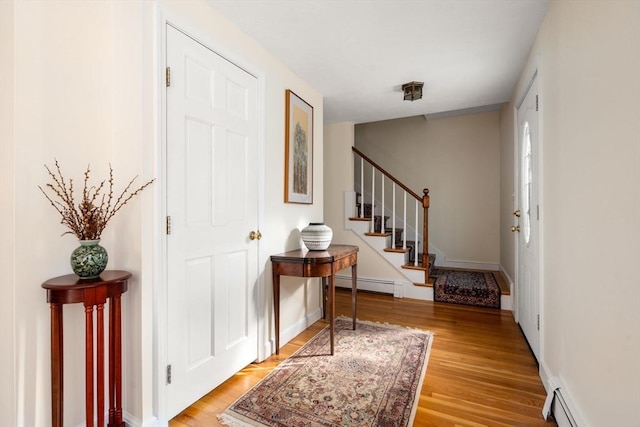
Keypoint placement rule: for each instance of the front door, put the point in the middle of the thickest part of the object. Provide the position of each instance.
(527, 216)
(212, 265)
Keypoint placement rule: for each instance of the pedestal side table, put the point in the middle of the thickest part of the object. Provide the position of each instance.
(93, 293)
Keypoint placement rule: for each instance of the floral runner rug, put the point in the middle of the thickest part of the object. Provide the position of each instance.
(373, 379)
(477, 288)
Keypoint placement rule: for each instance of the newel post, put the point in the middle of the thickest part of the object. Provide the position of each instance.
(425, 232)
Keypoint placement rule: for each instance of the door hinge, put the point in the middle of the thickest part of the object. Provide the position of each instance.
(168, 374)
(168, 76)
(538, 212)
(536, 102)
(168, 224)
(538, 322)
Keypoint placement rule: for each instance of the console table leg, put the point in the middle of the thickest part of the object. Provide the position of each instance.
(276, 306)
(332, 308)
(57, 366)
(354, 292)
(324, 284)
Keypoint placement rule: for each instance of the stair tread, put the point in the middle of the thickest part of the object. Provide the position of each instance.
(357, 218)
(378, 234)
(429, 284)
(411, 266)
(399, 250)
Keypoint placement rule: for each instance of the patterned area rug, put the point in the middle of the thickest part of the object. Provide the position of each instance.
(373, 379)
(475, 288)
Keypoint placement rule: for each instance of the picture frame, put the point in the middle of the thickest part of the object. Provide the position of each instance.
(298, 151)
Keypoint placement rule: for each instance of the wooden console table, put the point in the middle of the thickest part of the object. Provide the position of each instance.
(324, 264)
(92, 293)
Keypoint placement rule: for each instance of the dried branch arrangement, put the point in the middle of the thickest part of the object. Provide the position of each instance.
(88, 219)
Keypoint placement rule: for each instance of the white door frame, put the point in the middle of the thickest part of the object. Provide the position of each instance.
(532, 73)
(159, 294)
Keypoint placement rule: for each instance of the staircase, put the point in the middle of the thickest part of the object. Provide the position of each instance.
(388, 224)
(401, 259)
(399, 233)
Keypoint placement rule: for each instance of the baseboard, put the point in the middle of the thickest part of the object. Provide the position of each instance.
(298, 327)
(132, 421)
(366, 284)
(469, 265)
(397, 289)
(409, 290)
(506, 301)
(508, 278)
(559, 402)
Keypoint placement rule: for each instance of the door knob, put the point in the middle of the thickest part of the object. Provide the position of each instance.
(517, 213)
(255, 235)
(515, 228)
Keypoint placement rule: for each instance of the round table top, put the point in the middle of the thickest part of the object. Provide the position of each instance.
(73, 281)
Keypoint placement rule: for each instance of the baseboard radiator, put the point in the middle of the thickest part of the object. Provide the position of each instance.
(561, 411)
(366, 284)
(557, 405)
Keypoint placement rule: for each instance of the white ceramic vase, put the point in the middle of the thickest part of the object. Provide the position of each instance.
(316, 236)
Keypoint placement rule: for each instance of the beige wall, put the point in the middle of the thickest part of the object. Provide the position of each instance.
(588, 54)
(80, 83)
(338, 178)
(7, 218)
(507, 191)
(458, 159)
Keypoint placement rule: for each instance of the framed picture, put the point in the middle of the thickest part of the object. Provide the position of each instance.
(298, 150)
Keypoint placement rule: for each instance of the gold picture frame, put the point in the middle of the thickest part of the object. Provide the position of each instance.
(298, 150)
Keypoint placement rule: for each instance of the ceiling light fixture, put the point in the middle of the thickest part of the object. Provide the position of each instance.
(412, 91)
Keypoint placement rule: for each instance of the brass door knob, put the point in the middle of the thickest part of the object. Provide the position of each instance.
(255, 235)
(515, 228)
(517, 213)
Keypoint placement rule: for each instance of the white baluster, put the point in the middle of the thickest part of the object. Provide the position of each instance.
(404, 222)
(415, 244)
(393, 216)
(373, 196)
(382, 223)
(361, 187)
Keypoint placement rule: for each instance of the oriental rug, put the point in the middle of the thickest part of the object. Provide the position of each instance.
(476, 288)
(373, 379)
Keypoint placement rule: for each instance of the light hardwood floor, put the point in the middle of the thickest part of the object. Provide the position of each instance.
(480, 372)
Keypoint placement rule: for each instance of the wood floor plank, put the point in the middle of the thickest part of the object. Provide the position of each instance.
(481, 371)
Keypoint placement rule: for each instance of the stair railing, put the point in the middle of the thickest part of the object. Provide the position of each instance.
(419, 201)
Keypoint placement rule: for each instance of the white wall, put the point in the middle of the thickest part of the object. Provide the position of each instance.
(589, 60)
(80, 84)
(458, 159)
(507, 191)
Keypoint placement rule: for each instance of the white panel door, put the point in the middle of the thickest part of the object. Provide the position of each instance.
(212, 265)
(527, 220)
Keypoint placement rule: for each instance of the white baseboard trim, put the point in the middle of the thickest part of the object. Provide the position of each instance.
(469, 265)
(298, 327)
(509, 279)
(397, 289)
(563, 409)
(132, 421)
(409, 290)
(506, 301)
(366, 284)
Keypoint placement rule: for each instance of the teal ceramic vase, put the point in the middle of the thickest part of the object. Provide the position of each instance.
(89, 259)
(316, 236)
